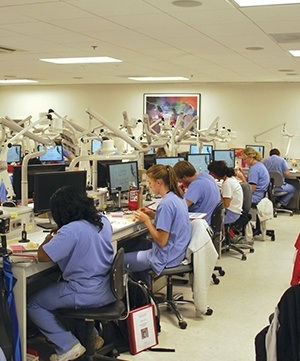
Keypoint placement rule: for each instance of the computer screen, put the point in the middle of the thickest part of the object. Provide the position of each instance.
(122, 175)
(102, 172)
(53, 153)
(149, 160)
(258, 148)
(200, 161)
(14, 154)
(95, 144)
(207, 148)
(151, 151)
(31, 170)
(45, 184)
(228, 155)
(194, 149)
(168, 160)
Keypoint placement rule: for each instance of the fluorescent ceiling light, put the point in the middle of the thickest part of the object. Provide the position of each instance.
(83, 60)
(295, 52)
(265, 2)
(17, 81)
(158, 78)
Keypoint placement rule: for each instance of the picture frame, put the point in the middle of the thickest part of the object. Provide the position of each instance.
(141, 329)
(169, 106)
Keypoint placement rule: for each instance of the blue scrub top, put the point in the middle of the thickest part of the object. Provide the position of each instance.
(259, 175)
(172, 217)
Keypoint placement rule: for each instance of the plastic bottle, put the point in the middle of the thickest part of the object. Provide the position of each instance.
(133, 197)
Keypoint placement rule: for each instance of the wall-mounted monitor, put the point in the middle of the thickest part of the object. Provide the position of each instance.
(228, 155)
(168, 160)
(258, 148)
(200, 161)
(14, 154)
(53, 153)
(95, 145)
(122, 175)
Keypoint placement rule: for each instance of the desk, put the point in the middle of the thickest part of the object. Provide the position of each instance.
(25, 272)
(294, 179)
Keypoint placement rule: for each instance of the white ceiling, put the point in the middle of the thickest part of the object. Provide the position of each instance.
(152, 37)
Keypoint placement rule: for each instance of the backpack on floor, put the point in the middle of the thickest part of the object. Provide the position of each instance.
(116, 332)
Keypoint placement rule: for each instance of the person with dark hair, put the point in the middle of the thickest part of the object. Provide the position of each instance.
(275, 163)
(231, 190)
(170, 230)
(202, 194)
(81, 246)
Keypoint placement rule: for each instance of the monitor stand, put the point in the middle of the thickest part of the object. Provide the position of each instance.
(48, 225)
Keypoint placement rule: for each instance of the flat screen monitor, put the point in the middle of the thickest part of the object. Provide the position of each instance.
(14, 154)
(194, 149)
(168, 160)
(53, 153)
(102, 172)
(151, 151)
(95, 144)
(122, 175)
(31, 170)
(258, 148)
(45, 184)
(207, 148)
(228, 155)
(200, 161)
(149, 160)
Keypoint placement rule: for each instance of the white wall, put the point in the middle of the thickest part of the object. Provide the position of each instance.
(246, 108)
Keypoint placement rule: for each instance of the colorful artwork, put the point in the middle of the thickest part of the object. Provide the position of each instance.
(168, 107)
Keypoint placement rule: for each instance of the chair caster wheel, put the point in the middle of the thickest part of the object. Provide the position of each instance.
(209, 311)
(244, 257)
(215, 279)
(273, 238)
(222, 272)
(182, 325)
(251, 250)
(291, 214)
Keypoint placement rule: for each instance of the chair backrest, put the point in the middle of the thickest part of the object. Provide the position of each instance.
(247, 194)
(276, 178)
(217, 218)
(117, 284)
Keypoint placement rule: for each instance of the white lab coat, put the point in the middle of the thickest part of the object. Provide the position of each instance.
(204, 260)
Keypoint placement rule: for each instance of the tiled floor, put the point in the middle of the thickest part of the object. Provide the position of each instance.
(242, 302)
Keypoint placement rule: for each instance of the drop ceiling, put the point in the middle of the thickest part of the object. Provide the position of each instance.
(207, 43)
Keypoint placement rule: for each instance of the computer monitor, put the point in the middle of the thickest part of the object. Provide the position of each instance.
(168, 160)
(149, 160)
(151, 151)
(102, 172)
(258, 148)
(194, 149)
(228, 155)
(53, 153)
(31, 170)
(207, 148)
(200, 161)
(45, 184)
(95, 144)
(14, 154)
(122, 175)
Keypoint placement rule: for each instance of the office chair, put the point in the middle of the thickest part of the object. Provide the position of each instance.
(277, 180)
(240, 225)
(112, 312)
(218, 236)
(200, 260)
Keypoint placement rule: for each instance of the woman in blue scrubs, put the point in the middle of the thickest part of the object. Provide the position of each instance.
(170, 228)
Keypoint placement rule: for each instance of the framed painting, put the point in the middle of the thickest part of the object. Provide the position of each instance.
(168, 107)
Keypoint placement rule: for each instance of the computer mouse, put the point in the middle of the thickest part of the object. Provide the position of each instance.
(9, 204)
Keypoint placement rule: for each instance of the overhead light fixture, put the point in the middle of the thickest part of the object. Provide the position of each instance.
(158, 78)
(295, 53)
(83, 60)
(264, 2)
(186, 3)
(17, 81)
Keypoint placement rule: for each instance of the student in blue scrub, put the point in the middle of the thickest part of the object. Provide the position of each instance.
(202, 194)
(81, 246)
(258, 175)
(170, 230)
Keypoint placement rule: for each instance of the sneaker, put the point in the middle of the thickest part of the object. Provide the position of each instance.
(76, 351)
(99, 342)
